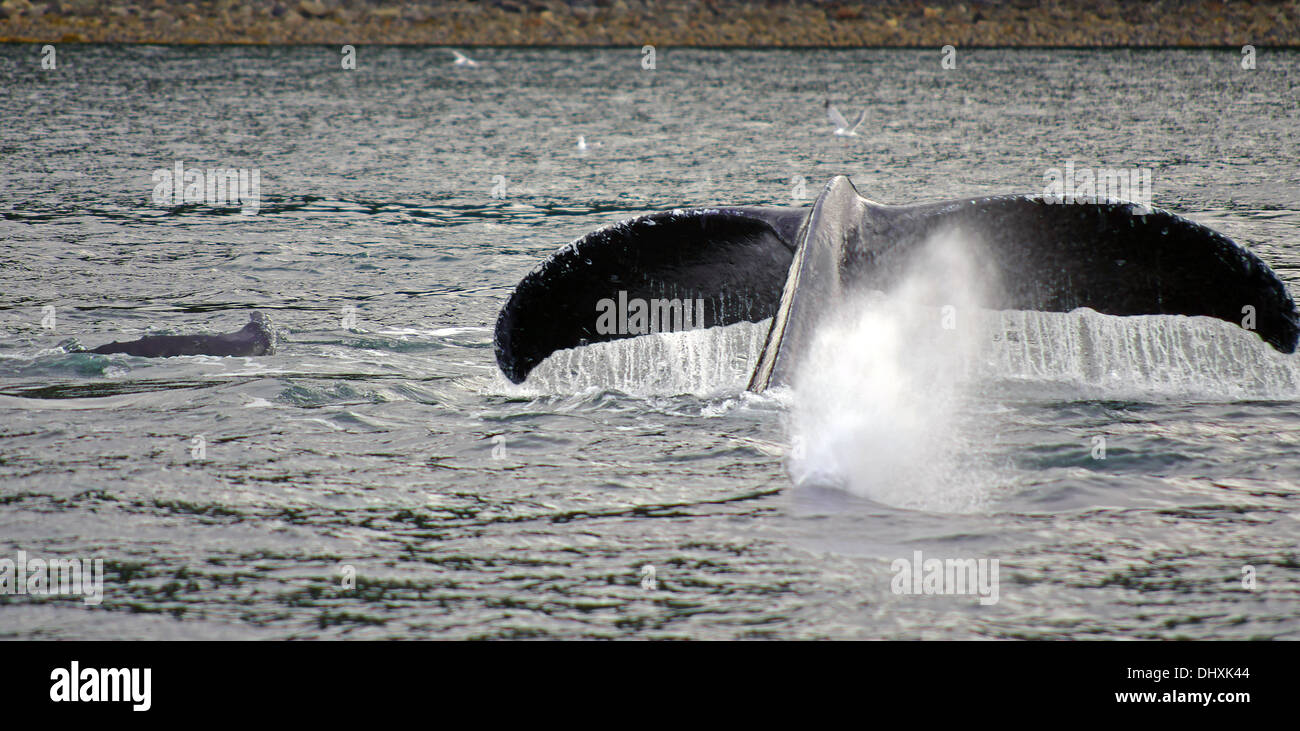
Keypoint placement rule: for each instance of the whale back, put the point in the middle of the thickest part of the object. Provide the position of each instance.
(258, 337)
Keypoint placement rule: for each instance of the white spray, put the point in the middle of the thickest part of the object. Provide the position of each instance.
(874, 402)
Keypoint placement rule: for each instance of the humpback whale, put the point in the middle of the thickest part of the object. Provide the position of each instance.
(792, 264)
(255, 338)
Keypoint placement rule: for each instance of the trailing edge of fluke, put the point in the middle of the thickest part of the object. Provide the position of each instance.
(792, 264)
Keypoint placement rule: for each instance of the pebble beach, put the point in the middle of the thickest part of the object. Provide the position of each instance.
(720, 23)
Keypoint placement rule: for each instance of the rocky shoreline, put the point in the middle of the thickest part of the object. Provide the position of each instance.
(922, 23)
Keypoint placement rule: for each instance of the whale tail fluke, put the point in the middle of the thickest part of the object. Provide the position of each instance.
(794, 264)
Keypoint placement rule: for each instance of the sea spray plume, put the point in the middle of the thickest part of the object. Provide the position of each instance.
(874, 401)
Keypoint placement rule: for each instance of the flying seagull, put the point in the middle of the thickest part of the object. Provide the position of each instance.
(462, 59)
(842, 127)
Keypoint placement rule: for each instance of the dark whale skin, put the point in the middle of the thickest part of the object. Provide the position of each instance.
(255, 338)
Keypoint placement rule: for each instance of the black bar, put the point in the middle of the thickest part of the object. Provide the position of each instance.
(331, 680)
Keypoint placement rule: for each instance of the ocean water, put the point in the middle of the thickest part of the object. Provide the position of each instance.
(383, 480)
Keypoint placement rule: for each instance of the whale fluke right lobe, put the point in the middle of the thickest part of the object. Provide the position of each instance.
(1114, 257)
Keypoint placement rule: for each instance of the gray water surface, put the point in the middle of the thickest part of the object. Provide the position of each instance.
(470, 508)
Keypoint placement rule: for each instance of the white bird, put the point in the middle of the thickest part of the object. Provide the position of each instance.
(462, 59)
(842, 126)
(582, 142)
